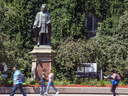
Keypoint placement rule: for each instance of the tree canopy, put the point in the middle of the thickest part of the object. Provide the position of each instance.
(11, 50)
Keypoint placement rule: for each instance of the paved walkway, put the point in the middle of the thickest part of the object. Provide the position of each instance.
(68, 90)
(63, 95)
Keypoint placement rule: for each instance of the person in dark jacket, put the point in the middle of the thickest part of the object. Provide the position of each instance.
(43, 82)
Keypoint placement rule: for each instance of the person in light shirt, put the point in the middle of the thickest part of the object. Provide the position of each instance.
(17, 82)
(51, 82)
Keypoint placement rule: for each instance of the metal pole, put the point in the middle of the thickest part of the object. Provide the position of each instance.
(101, 74)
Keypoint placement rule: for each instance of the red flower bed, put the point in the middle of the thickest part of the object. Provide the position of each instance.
(77, 85)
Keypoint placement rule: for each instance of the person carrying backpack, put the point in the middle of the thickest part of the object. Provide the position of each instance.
(17, 82)
(115, 78)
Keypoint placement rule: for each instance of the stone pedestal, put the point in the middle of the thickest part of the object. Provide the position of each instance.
(44, 58)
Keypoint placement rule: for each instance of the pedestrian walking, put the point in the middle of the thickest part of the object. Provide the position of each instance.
(17, 82)
(51, 82)
(115, 78)
(42, 81)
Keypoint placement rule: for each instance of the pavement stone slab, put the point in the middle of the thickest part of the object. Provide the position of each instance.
(67, 90)
(63, 95)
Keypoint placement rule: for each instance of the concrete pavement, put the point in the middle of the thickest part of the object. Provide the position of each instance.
(68, 90)
(63, 95)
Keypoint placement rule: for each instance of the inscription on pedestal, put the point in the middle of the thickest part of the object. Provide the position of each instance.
(44, 59)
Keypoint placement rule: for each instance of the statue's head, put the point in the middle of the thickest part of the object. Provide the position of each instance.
(44, 8)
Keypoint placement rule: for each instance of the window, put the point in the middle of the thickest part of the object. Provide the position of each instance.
(90, 23)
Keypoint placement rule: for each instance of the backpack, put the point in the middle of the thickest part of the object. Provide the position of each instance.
(118, 77)
(23, 78)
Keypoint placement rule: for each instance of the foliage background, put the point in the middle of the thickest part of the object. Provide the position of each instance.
(108, 49)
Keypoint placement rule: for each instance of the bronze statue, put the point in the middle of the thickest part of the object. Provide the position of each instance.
(42, 26)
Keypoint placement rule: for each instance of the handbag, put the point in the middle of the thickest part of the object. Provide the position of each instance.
(40, 82)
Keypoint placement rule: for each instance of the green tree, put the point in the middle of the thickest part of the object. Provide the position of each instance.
(70, 54)
(68, 18)
(11, 50)
(111, 51)
(69, 15)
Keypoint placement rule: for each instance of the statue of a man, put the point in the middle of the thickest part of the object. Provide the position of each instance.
(42, 26)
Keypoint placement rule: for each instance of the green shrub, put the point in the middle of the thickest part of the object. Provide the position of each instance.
(35, 82)
(123, 83)
(69, 55)
(27, 81)
(110, 50)
(10, 81)
(102, 82)
(2, 81)
(30, 82)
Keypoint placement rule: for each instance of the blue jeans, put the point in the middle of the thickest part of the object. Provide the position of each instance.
(43, 85)
(18, 86)
(49, 84)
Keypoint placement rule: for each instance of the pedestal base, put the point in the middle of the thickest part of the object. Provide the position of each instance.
(44, 59)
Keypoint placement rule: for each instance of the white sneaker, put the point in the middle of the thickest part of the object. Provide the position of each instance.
(45, 93)
(57, 92)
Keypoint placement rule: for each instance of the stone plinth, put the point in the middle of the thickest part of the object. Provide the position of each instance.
(44, 59)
